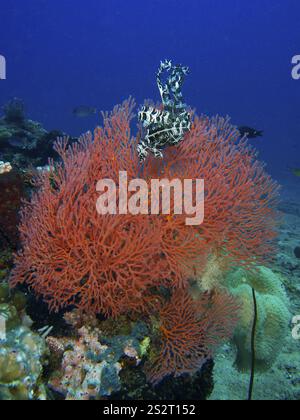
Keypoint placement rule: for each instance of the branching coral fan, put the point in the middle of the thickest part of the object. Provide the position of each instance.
(191, 330)
(115, 263)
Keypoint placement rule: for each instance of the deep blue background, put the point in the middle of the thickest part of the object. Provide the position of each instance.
(64, 53)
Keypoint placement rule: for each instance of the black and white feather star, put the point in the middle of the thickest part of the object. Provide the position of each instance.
(168, 126)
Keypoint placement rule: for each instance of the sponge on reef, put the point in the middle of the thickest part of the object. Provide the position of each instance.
(273, 316)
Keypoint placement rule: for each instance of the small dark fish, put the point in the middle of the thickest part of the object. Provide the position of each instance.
(297, 252)
(296, 172)
(249, 132)
(84, 111)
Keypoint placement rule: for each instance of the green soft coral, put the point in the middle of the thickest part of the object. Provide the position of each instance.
(273, 316)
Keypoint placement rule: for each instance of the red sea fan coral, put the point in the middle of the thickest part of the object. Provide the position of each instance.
(113, 263)
(240, 197)
(190, 332)
(71, 255)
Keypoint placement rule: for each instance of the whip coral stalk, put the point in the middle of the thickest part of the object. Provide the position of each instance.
(116, 263)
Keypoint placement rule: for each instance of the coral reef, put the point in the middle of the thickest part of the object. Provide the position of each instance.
(22, 351)
(12, 192)
(191, 331)
(213, 275)
(273, 316)
(89, 364)
(6, 262)
(197, 387)
(151, 292)
(146, 288)
(24, 142)
(21, 366)
(84, 373)
(14, 111)
(5, 167)
(115, 264)
(281, 381)
(104, 359)
(166, 126)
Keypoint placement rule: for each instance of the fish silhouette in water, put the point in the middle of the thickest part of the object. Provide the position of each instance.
(296, 172)
(249, 132)
(84, 111)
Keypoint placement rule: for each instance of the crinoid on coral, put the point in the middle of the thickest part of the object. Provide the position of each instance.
(168, 125)
(117, 263)
(190, 332)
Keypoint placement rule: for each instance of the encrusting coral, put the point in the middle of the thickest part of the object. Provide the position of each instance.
(22, 351)
(89, 364)
(5, 167)
(21, 365)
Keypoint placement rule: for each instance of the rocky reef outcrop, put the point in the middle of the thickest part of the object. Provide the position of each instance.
(24, 142)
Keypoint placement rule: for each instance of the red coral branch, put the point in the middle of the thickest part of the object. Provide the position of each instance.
(112, 264)
(191, 330)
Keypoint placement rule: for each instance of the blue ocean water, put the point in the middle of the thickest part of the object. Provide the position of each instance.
(65, 53)
(61, 54)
